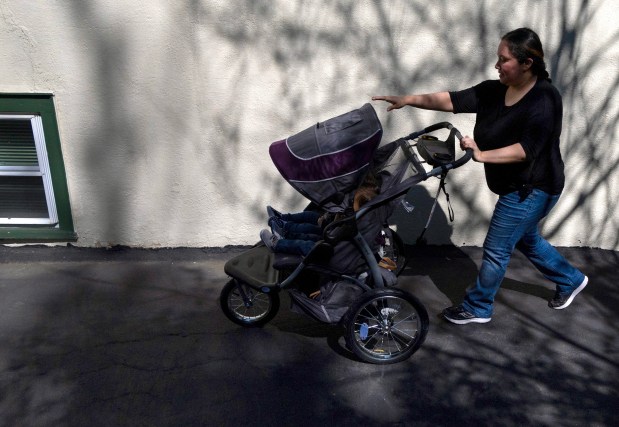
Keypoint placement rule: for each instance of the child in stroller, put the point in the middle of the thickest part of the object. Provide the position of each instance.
(296, 233)
(293, 233)
(327, 163)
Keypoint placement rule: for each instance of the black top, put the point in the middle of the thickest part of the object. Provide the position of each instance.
(534, 122)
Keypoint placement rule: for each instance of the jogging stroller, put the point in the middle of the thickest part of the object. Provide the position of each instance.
(348, 277)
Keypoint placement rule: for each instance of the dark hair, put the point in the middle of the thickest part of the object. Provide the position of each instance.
(524, 43)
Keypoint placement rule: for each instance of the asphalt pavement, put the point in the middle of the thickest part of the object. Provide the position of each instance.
(133, 337)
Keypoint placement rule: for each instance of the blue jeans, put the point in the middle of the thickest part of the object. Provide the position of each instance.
(294, 246)
(302, 225)
(309, 217)
(295, 230)
(300, 232)
(514, 224)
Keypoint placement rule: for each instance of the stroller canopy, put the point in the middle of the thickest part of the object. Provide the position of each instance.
(330, 159)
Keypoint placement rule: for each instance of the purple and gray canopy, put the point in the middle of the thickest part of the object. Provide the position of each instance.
(327, 161)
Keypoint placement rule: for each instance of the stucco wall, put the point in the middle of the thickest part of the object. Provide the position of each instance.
(166, 109)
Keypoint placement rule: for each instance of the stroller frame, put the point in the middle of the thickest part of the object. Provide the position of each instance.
(383, 324)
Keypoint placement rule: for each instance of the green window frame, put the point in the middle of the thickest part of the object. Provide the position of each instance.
(32, 172)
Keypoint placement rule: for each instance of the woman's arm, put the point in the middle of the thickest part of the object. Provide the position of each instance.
(511, 154)
(439, 101)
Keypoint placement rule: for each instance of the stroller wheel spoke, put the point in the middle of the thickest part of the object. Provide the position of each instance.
(404, 335)
(369, 315)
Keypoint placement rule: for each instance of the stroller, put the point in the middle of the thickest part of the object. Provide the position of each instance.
(349, 275)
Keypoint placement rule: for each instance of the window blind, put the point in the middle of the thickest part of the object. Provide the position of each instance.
(17, 145)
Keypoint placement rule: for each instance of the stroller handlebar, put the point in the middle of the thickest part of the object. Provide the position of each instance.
(454, 133)
(468, 155)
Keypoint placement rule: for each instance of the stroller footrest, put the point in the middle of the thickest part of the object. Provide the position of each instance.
(254, 267)
(320, 253)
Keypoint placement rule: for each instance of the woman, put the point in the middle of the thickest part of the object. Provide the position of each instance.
(516, 137)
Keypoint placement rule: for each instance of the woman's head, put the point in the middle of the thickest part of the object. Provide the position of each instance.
(525, 46)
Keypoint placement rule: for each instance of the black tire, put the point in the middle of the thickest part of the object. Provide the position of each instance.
(385, 326)
(399, 252)
(394, 249)
(257, 310)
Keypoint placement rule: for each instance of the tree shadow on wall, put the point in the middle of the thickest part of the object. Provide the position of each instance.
(304, 53)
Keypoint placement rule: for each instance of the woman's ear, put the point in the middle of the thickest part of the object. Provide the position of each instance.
(527, 64)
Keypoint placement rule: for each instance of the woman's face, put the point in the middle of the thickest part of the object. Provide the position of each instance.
(511, 72)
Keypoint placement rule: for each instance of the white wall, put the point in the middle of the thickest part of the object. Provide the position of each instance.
(166, 109)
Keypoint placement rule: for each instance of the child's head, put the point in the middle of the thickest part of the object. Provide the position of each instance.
(366, 192)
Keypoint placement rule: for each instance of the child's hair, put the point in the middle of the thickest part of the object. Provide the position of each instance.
(366, 191)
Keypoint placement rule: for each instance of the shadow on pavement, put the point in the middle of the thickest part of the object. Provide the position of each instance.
(140, 340)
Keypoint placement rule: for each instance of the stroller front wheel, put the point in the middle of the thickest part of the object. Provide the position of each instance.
(385, 326)
(247, 306)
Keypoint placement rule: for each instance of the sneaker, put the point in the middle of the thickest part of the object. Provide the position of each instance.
(562, 300)
(277, 226)
(273, 213)
(457, 314)
(269, 239)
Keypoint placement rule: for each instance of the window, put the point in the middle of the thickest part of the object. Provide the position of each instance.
(25, 185)
(34, 202)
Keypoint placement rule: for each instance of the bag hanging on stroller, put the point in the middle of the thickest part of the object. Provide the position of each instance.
(330, 303)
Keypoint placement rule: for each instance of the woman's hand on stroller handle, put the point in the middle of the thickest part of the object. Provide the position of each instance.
(453, 132)
(468, 152)
(468, 144)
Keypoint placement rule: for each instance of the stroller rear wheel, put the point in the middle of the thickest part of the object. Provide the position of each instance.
(385, 326)
(247, 306)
